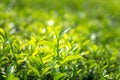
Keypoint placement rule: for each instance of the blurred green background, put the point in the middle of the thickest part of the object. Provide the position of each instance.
(93, 8)
(99, 17)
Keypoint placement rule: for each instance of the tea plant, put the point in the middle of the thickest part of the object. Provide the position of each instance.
(59, 40)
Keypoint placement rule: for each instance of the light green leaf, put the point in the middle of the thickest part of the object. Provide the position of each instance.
(34, 70)
(45, 70)
(12, 77)
(2, 32)
(72, 57)
(86, 42)
(47, 43)
(59, 75)
(1, 38)
(63, 32)
(47, 58)
(10, 73)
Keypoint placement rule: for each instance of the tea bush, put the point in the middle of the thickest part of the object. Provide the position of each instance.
(59, 40)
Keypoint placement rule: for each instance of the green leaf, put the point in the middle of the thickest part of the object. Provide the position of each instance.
(72, 57)
(2, 32)
(12, 77)
(45, 70)
(59, 75)
(47, 43)
(86, 42)
(34, 70)
(2, 39)
(47, 58)
(10, 69)
(63, 32)
(10, 73)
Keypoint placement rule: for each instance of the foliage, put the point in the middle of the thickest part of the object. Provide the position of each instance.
(59, 39)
